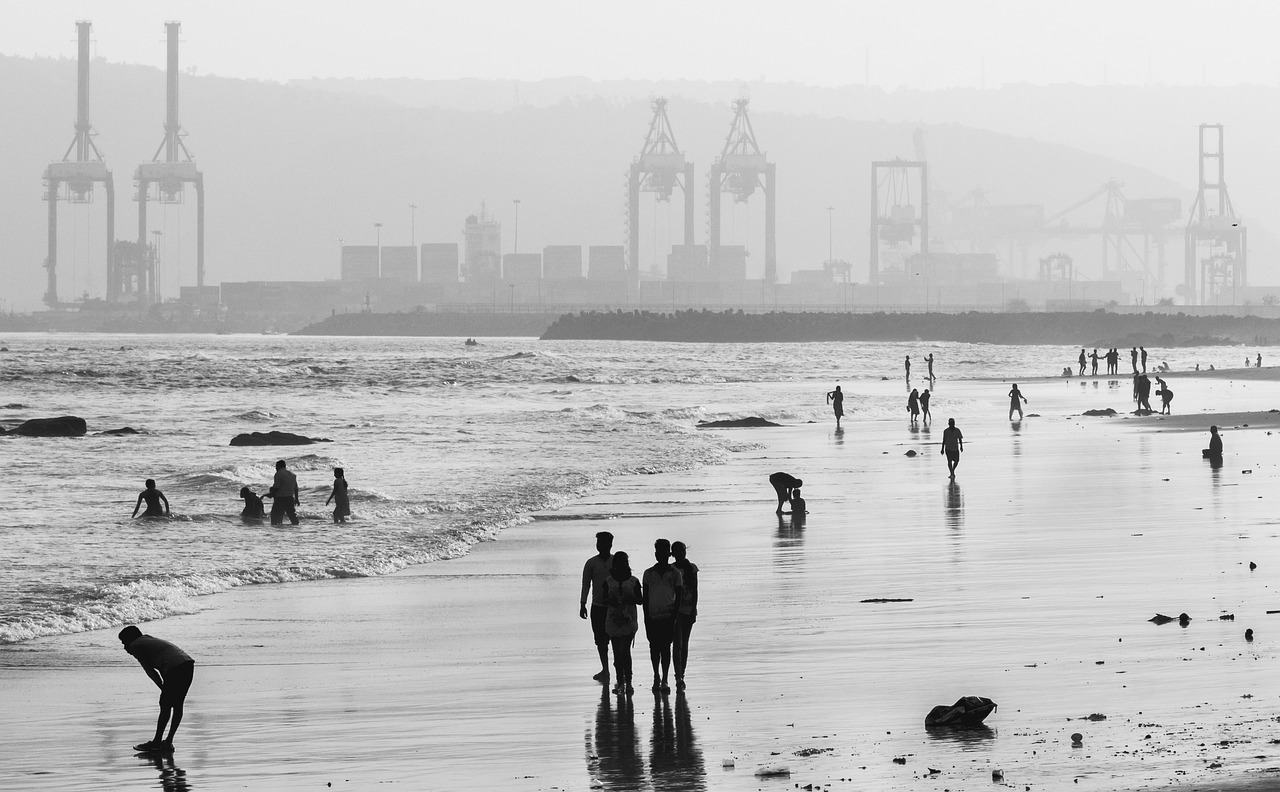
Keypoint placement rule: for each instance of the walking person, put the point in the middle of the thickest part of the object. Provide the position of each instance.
(688, 613)
(285, 490)
(924, 406)
(913, 405)
(952, 445)
(1083, 358)
(153, 497)
(171, 669)
(661, 592)
(836, 399)
(622, 596)
(783, 483)
(1016, 400)
(595, 576)
(929, 360)
(341, 503)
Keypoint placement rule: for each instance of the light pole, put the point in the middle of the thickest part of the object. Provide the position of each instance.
(341, 242)
(830, 249)
(511, 298)
(413, 217)
(155, 275)
(515, 241)
(377, 227)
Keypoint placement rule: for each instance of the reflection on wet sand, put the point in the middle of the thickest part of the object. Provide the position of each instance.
(614, 762)
(964, 739)
(613, 751)
(954, 510)
(839, 436)
(675, 763)
(172, 777)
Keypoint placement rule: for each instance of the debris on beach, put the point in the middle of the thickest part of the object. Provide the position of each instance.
(1077, 740)
(727, 762)
(1108, 412)
(773, 771)
(887, 599)
(911, 452)
(1097, 716)
(1160, 618)
(1227, 617)
(739, 423)
(900, 760)
(967, 713)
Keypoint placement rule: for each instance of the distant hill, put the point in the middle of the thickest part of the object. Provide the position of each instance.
(291, 169)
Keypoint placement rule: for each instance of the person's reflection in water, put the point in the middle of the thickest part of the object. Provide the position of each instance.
(615, 762)
(675, 763)
(839, 435)
(789, 542)
(172, 777)
(955, 506)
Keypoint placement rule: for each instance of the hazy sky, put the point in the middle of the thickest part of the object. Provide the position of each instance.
(922, 44)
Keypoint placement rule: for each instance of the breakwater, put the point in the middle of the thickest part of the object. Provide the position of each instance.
(431, 323)
(1091, 329)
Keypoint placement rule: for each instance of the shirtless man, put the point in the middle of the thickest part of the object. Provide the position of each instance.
(153, 497)
(952, 445)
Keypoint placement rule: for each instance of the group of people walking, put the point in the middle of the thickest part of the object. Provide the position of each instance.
(1137, 358)
(667, 596)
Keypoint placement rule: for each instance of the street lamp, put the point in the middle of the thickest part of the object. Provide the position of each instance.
(413, 217)
(511, 298)
(378, 229)
(341, 242)
(515, 243)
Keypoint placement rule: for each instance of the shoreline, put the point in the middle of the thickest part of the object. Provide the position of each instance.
(477, 670)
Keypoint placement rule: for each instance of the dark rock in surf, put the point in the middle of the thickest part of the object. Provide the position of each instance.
(63, 426)
(1108, 412)
(740, 423)
(967, 713)
(124, 430)
(911, 452)
(274, 438)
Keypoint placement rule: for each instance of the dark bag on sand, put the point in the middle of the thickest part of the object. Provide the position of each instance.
(967, 713)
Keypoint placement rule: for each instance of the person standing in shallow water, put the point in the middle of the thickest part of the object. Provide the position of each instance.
(595, 576)
(171, 669)
(1083, 359)
(952, 445)
(622, 595)
(688, 613)
(924, 406)
(342, 504)
(929, 360)
(908, 364)
(1094, 357)
(285, 492)
(662, 589)
(836, 399)
(1143, 351)
(1133, 359)
(1214, 452)
(1016, 400)
(153, 497)
(913, 405)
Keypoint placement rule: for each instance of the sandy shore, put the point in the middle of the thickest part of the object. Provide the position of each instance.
(1030, 581)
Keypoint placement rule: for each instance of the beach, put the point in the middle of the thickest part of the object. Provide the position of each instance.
(1030, 580)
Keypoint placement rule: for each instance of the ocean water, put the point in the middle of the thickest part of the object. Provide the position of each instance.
(443, 446)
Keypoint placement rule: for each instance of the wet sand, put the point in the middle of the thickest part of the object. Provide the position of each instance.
(1030, 580)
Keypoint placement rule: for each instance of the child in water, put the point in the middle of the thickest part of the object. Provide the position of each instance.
(797, 503)
(253, 511)
(153, 497)
(342, 506)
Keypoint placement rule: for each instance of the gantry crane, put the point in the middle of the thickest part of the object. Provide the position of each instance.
(900, 221)
(659, 169)
(738, 171)
(170, 174)
(1217, 243)
(72, 180)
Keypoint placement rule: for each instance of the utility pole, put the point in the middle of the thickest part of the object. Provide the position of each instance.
(378, 230)
(515, 242)
(413, 216)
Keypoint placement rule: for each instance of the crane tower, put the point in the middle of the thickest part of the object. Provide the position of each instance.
(72, 180)
(659, 169)
(170, 174)
(738, 171)
(1217, 243)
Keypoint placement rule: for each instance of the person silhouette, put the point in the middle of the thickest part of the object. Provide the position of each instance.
(1143, 351)
(1133, 359)
(1144, 393)
(1083, 359)
(913, 404)
(153, 497)
(924, 405)
(341, 503)
(1166, 396)
(908, 364)
(952, 445)
(1094, 357)
(1258, 364)
(1016, 400)
(1214, 452)
(253, 511)
(836, 399)
(783, 483)
(286, 500)
(622, 596)
(929, 360)
(687, 616)
(171, 669)
(595, 576)
(662, 589)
